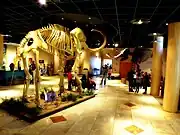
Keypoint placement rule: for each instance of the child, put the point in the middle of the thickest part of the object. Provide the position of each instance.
(92, 84)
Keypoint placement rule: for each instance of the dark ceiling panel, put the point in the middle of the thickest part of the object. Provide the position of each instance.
(20, 16)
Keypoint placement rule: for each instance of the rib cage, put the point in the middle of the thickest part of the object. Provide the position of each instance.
(57, 38)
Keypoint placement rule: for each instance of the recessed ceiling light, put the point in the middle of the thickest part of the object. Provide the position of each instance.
(89, 18)
(86, 25)
(62, 18)
(6, 35)
(154, 34)
(108, 44)
(95, 25)
(75, 21)
(116, 45)
(140, 22)
(166, 23)
(42, 2)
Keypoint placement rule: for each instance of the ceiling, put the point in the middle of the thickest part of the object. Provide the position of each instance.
(111, 16)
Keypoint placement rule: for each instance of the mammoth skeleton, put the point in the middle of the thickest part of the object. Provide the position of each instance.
(53, 38)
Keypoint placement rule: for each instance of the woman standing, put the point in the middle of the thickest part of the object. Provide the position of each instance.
(109, 72)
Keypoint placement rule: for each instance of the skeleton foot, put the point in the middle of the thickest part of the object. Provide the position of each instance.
(24, 99)
(37, 103)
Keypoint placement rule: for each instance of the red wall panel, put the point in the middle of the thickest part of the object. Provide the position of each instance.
(125, 67)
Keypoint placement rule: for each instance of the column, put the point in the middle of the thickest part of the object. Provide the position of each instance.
(172, 79)
(157, 66)
(1, 49)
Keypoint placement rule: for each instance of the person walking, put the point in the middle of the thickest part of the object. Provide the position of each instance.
(138, 82)
(109, 72)
(104, 73)
(145, 82)
(130, 79)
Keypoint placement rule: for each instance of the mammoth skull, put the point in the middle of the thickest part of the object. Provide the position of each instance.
(80, 40)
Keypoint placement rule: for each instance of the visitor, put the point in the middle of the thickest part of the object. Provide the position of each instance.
(19, 65)
(84, 81)
(32, 68)
(31, 73)
(33, 65)
(130, 79)
(109, 72)
(138, 82)
(145, 82)
(104, 75)
(69, 75)
(162, 86)
(92, 84)
(11, 66)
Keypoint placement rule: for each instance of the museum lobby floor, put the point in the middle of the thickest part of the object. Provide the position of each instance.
(113, 111)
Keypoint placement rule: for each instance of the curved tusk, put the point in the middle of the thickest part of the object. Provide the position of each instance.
(103, 44)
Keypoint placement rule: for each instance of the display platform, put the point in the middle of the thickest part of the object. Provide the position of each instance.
(32, 113)
(10, 77)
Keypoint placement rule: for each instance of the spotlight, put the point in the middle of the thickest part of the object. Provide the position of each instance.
(6, 35)
(139, 22)
(42, 2)
(75, 21)
(62, 18)
(154, 34)
(89, 18)
(116, 45)
(166, 23)
(108, 44)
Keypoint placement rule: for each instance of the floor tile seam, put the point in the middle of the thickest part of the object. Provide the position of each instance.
(112, 132)
(10, 122)
(171, 125)
(76, 123)
(45, 129)
(94, 123)
(18, 128)
(168, 124)
(26, 127)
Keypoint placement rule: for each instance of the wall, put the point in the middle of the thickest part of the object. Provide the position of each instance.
(115, 62)
(48, 58)
(116, 65)
(146, 66)
(10, 56)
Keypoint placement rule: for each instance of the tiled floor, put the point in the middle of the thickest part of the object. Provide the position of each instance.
(113, 111)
